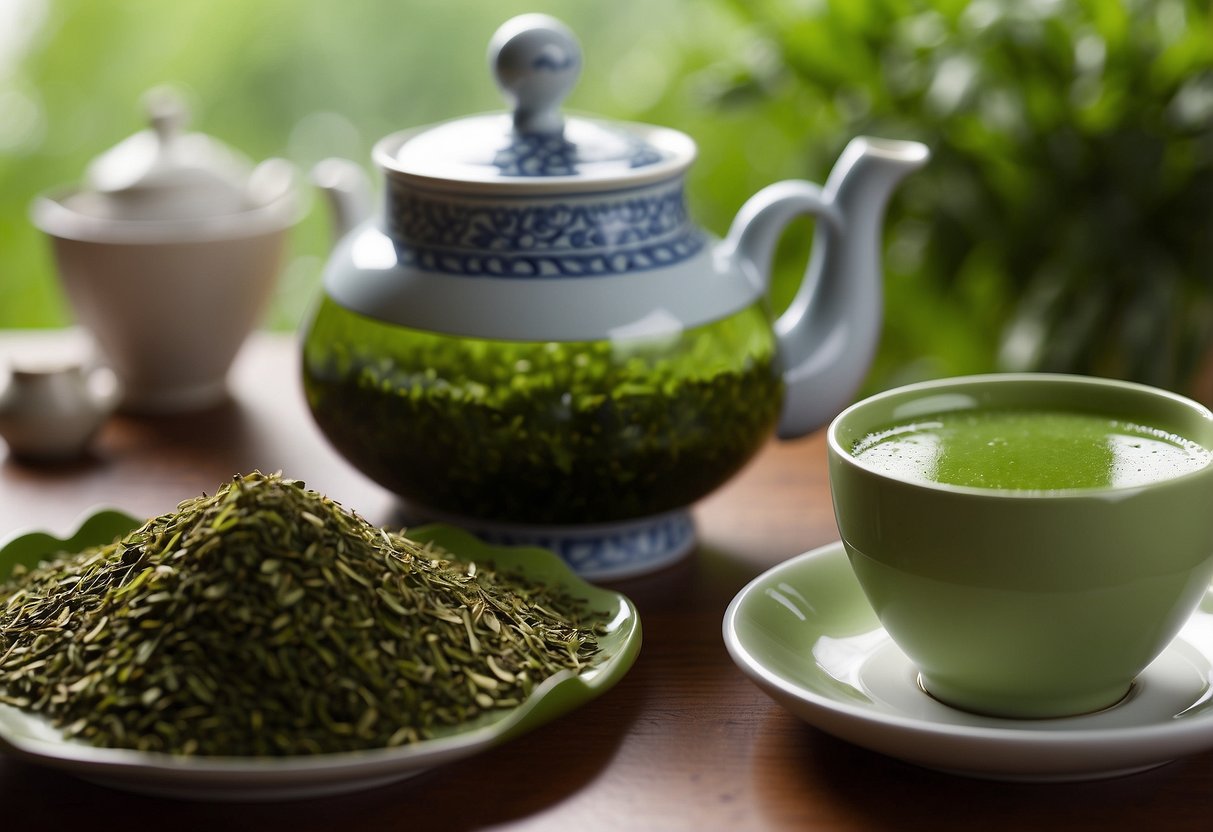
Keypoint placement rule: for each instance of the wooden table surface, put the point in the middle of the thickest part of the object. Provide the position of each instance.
(685, 741)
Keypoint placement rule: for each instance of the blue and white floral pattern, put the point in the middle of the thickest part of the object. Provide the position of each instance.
(551, 154)
(605, 552)
(573, 237)
(611, 551)
(537, 154)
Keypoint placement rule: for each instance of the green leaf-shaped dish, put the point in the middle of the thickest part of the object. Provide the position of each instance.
(244, 778)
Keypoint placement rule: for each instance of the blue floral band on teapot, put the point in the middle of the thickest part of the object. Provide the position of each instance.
(551, 154)
(573, 236)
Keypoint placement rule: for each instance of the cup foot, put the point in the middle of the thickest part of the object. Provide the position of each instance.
(1009, 706)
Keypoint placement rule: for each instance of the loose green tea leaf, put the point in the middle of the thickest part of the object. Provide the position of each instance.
(267, 620)
(544, 432)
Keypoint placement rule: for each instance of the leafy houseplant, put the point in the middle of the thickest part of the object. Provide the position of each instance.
(1066, 220)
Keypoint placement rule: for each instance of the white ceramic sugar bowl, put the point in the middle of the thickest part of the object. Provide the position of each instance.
(168, 253)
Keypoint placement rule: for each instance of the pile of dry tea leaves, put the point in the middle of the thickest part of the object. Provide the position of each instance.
(267, 620)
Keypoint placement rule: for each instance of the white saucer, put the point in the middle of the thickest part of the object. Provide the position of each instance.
(804, 632)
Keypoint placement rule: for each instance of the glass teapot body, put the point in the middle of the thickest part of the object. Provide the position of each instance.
(547, 432)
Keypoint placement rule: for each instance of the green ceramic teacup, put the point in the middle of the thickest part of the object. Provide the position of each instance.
(1022, 602)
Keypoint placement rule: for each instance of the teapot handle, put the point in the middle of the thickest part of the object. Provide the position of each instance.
(752, 240)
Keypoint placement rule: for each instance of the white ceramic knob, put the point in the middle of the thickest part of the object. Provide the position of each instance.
(536, 60)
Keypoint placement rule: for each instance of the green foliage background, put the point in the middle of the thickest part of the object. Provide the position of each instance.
(1065, 222)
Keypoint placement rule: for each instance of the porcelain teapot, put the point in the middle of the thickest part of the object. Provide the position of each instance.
(533, 339)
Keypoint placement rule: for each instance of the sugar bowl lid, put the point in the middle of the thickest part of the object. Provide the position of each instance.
(163, 172)
(536, 60)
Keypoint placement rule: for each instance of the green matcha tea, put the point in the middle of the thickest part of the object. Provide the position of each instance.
(1032, 450)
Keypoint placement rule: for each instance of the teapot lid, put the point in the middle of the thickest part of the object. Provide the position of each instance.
(536, 60)
(165, 173)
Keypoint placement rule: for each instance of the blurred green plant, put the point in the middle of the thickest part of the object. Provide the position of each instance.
(1065, 222)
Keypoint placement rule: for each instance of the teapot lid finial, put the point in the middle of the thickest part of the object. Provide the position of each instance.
(166, 112)
(536, 60)
(165, 172)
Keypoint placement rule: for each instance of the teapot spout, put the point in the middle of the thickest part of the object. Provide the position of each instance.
(348, 191)
(829, 334)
